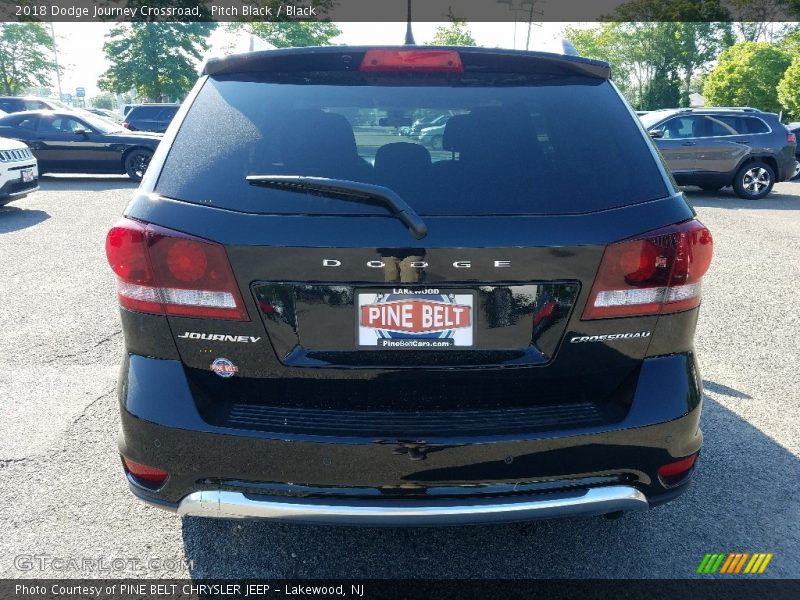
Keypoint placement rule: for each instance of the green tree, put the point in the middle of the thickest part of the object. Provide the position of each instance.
(103, 101)
(158, 60)
(292, 34)
(696, 44)
(455, 34)
(25, 51)
(663, 91)
(605, 42)
(283, 32)
(746, 75)
(789, 90)
(671, 41)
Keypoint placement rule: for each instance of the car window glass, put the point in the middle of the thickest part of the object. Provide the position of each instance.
(754, 125)
(61, 125)
(27, 122)
(720, 126)
(497, 149)
(680, 128)
(144, 112)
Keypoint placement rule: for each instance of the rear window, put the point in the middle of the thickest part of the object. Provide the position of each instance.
(144, 112)
(548, 145)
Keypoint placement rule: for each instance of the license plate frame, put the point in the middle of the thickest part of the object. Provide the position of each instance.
(437, 307)
(26, 175)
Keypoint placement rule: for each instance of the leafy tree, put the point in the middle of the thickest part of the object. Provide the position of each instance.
(655, 47)
(664, 90)
(158, 60)
(288, 34)
(24, 57)
(746, 75)
(758, 20)
(283, 32)
(103, 101)
(606, 43)
(789, 90)
(696, 44)
(455, 34)
(671, 41)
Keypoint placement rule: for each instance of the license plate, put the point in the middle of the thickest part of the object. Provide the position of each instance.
(27, 175)
(415, 319)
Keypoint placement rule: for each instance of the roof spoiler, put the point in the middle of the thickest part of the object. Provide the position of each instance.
(348, 58)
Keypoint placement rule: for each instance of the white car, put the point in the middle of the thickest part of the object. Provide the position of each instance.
(19, 171)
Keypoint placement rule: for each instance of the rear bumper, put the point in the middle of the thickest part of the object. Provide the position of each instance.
(585, 503)
(225, 472)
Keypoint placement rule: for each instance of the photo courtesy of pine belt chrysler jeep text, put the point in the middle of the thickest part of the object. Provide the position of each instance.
(328, 322)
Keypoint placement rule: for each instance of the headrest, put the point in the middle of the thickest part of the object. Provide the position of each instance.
(455, 133)
(403, 155)
(313, 137)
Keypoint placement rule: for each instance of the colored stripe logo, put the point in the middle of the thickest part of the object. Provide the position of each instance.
(734, 563)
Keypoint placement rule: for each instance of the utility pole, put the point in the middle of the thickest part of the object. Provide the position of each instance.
(530, 22)
(55, 55)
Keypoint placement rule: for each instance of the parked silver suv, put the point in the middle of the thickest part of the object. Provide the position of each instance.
(718, 147)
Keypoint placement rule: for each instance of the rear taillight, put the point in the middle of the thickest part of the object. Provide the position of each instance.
(657, 273)
(143, 474)
(675, 472)
(165, 272)
(440, 61)
(791, 138)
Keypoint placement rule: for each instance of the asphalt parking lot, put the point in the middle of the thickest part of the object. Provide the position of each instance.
(64, 495)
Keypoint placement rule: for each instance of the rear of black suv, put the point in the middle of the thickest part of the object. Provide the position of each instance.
(325, 324)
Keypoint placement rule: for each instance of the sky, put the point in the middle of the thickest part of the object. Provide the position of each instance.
(80, 45)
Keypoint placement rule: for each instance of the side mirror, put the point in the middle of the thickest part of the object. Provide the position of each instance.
(80, 131)
(656, 133)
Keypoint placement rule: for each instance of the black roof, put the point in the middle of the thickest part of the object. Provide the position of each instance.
(348, 58)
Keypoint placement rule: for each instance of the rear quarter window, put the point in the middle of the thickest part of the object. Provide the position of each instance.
(555, 145)
(753, 125)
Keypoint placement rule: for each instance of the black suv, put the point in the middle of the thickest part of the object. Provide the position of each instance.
(717, 147)
(325, 324)
(150, 117)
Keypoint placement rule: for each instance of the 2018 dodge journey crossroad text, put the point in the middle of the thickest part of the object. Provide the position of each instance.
(325, 324)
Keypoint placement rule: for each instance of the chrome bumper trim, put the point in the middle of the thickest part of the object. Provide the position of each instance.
(594, 501)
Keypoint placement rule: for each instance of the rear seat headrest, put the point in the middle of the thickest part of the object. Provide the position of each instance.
(399, 156)
(316, 137)
(456, 133)
(489, 130)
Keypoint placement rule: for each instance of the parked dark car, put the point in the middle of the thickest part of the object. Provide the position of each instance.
(795, 129)
(319, 330)
(68, 142)
(150, 117)
(105, 114)
(718, 147)
(12, 104)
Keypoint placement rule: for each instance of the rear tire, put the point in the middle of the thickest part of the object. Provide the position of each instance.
(754, 181)
(136, 163)
(796, 171)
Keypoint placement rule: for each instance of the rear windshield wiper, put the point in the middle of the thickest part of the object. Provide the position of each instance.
(360, 192)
